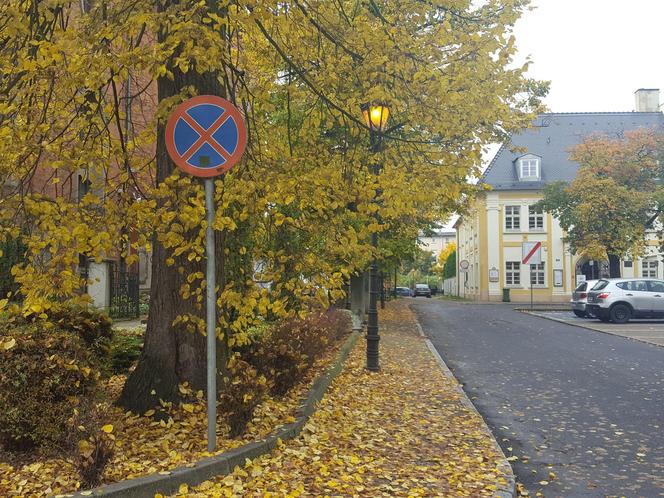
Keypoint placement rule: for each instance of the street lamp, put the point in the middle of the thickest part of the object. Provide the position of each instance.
(375, 117)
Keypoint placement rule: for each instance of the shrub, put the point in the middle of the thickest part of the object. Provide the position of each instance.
(125, 349)
(291, 347)
(94, 327)
(94, 456)
(45, 373)
(243, 392)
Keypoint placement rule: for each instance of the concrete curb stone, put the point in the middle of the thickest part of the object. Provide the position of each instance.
(168, 482)
(507, 490)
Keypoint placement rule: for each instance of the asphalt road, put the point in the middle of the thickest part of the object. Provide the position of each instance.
(587, 406)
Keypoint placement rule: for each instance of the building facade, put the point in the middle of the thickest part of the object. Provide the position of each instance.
(436, 241)
(491, 235)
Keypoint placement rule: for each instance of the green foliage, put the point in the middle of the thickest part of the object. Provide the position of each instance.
(125, 349)
(420, 261)
(450, 266)
(46, 374)
(606, 210)
(94, 327)
(144, 303)
(12, 252)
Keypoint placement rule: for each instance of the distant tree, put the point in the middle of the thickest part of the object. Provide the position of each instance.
(614, 199)
(450, 267)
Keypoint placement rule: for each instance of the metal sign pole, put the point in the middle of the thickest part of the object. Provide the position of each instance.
(221, 143)
(531, 287)
(211, 307)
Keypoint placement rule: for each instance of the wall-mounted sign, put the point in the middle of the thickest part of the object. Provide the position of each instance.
(557, 278)
(580, 278)
(494, 275)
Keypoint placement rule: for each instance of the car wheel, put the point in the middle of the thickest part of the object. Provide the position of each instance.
(620, 313)
(580, 314)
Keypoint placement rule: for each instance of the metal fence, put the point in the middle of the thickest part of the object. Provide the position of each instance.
(124, 302)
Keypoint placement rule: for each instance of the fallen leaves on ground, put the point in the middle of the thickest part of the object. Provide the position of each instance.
(144, 445)
(400, 432)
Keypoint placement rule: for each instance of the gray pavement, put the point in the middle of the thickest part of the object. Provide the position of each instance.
(651, 331)
(582, 411)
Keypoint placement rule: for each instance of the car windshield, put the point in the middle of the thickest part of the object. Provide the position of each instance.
(422, 286)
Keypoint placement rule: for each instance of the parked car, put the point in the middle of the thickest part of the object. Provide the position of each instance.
(434, 290)
(404, 291)
(620, 299)
(422, 290)
(580, 298)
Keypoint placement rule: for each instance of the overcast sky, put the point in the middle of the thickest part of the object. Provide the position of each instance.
(596, 53)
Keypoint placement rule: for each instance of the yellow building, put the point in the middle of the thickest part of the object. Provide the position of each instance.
(491, 235)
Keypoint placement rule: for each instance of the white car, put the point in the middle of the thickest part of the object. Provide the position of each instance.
(620, 299)
(580, 298)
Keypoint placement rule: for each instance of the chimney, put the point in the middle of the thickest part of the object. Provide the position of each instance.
(647, 99)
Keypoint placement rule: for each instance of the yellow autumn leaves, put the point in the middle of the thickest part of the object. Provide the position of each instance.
(402, 432)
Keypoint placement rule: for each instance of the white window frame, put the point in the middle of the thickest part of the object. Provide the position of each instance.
(650, 268)
(537, 275)
(529, 168)
(535, 218)
(512, 273)
(513, 219)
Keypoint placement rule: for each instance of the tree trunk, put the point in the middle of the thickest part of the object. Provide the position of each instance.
(614, 266)
(172, 355)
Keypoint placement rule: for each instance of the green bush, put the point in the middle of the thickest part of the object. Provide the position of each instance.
(126, 347)
(144, 303)
(45, 375)
(92, 326)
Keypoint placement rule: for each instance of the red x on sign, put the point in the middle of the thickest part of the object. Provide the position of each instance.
(205, 136)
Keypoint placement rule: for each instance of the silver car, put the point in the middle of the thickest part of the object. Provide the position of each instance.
(580, 298)
(620, 299)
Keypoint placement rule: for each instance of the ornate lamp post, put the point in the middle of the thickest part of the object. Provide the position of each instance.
(375, 116)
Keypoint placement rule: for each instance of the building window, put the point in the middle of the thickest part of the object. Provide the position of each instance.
(535, 218)
(512, 273)
(649, 269)
(83, 186)
(627, 263)
(512, 217)
(529, 169)
(537, 274)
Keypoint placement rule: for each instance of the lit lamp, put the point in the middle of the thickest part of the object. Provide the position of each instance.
(375, 117)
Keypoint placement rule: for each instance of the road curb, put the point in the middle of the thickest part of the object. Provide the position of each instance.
(507, 490)
(168, 482)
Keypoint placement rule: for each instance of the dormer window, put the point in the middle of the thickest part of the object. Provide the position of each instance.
(529, 168)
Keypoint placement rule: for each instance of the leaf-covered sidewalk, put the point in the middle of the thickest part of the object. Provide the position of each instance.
(400, 432)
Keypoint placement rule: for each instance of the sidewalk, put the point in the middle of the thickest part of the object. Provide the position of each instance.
(402, 432)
